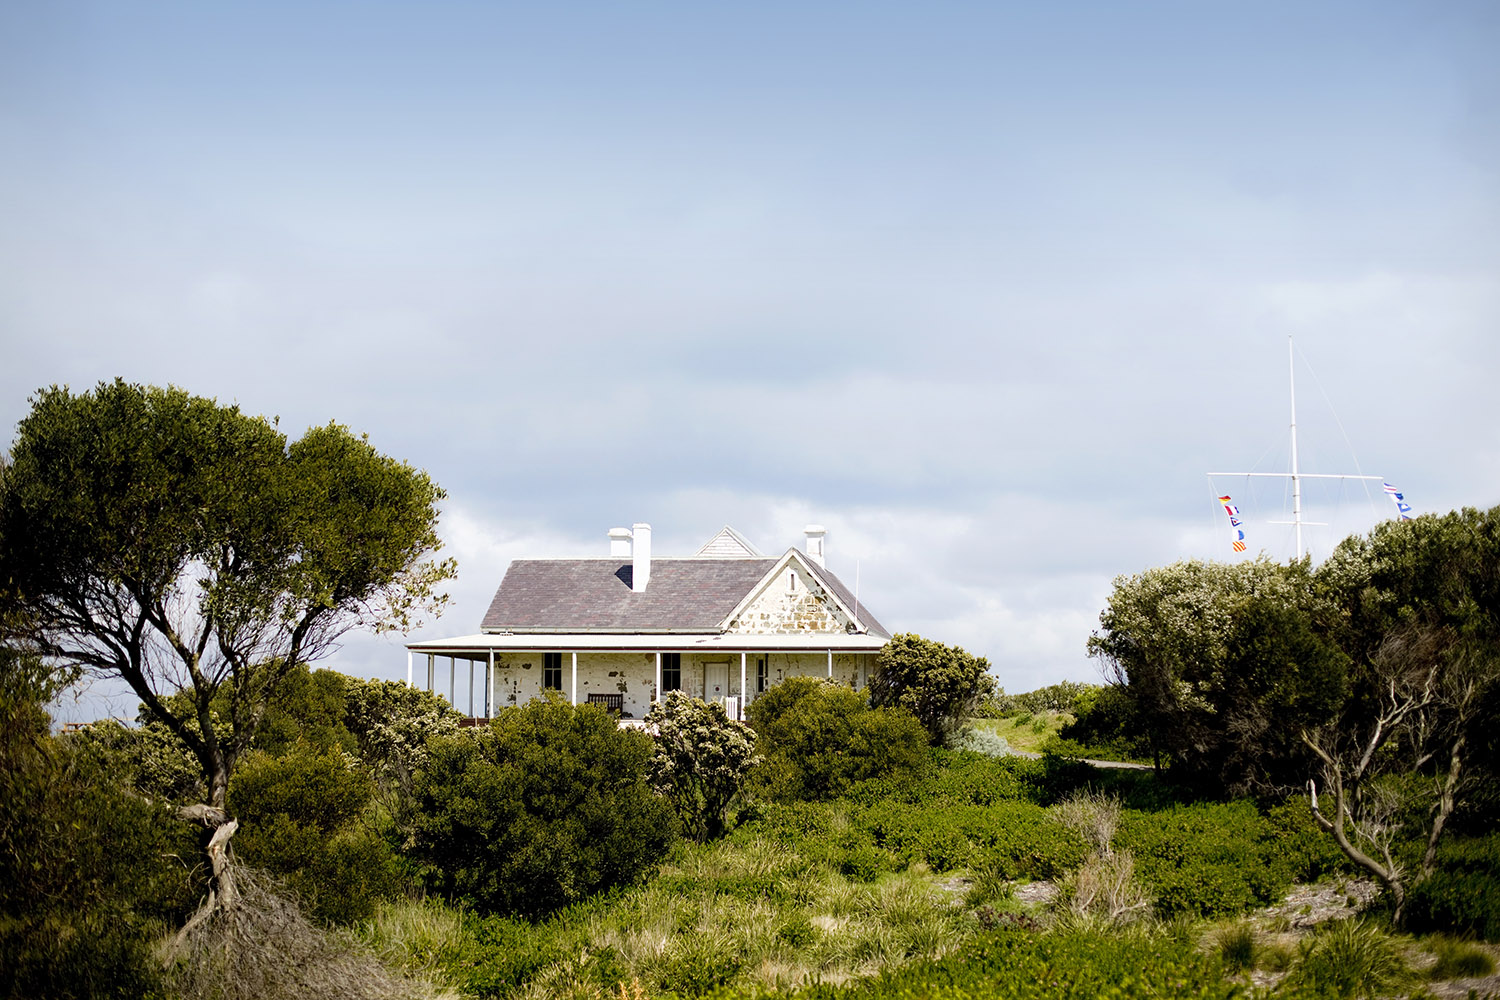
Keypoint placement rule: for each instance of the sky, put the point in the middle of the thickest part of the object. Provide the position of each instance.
(984, 288)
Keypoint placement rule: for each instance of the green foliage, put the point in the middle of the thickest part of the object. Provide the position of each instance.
(1060, 966)
(1223, 664)
(1349, 958)
(1220, 859)
(547, 805)
(818, 739)
(1107, 725)
(148, 758)
(391, 724)
(700, 759)
(1064, 696)
(940, 685)
(1463, 895)
(87, 872)
(309, 707)
(182, 545)
(301, 820)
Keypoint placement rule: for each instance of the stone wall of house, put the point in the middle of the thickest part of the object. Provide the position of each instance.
(791, 603)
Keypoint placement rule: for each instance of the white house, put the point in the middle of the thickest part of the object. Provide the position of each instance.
(724, 624)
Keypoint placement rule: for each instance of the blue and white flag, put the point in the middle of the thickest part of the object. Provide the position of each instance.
(1403, 509)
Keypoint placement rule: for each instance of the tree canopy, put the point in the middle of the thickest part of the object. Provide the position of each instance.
(1225, 662)
(179, 544)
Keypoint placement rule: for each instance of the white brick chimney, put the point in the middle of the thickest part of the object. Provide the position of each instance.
(640, 557)
(619, 542)
(815, 533)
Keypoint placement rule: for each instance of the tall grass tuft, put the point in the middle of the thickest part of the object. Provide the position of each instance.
(411, 935)
(1458, 960)
(1350, 958)
(1237, 947)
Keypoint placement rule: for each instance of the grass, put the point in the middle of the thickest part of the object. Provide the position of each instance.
(1026, 732)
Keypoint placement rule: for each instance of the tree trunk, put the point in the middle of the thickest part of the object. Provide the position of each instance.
(222, 893)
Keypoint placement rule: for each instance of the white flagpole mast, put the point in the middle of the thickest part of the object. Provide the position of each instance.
(1296, 475)
(1291, 362)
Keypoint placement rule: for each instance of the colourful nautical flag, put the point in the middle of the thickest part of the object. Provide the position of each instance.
(1237, 533)
(1403, 509)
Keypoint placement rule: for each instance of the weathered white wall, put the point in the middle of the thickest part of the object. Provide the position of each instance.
(518, 676)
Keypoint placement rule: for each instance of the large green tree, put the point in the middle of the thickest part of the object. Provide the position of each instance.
(1225, 664)
(190, 549)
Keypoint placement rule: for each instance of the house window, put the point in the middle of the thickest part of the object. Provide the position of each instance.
(552, 671)
(760, 675)
(671, 672)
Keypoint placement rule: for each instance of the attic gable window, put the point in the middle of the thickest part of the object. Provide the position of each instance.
(791, 580)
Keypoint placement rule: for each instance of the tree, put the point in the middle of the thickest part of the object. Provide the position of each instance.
(940, 685)
(1224, 663)
(187, 548)
(700, 758)
(544, 806)
(1422, 623)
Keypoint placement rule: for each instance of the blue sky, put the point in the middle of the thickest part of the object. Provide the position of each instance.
(984, 288)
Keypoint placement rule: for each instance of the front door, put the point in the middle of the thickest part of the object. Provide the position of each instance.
(715, 681)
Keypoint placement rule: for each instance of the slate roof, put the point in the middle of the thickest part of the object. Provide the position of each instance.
(594, 595)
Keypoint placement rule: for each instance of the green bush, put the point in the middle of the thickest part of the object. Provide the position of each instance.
(1108, 726)
(1217, 859)
(940, 685)
(547, 805)
(86, 880)
(300, 817)
(699, 760)
(1066, 965)
(820, 739)
(1463, 895)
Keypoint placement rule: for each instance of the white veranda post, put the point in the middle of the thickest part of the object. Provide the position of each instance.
(575, 678)
(656, 695)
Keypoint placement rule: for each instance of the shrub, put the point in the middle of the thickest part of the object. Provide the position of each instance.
(983, 741)
(84, 880)
(546, 805)
(826, 740)
(1209, 859)
(1463, 895)
(940, 685)
(300, 818)
(700, 759)
(1107, 725)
